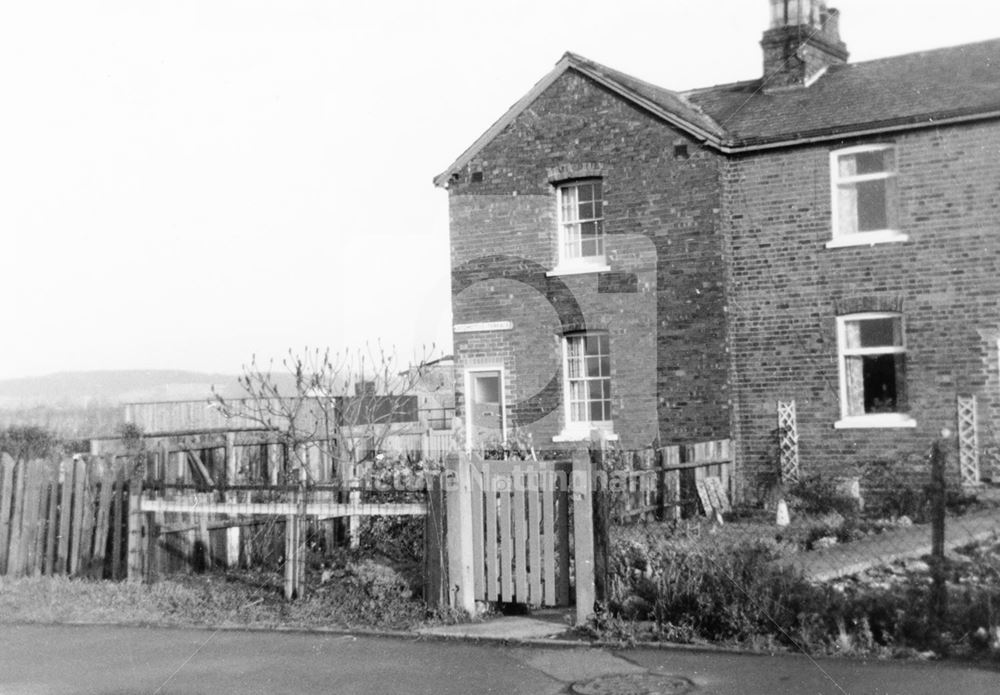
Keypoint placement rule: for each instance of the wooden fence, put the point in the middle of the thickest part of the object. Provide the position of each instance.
(63, 517)
(671, 482)
(176, 528)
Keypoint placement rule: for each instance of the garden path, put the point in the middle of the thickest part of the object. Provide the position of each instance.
(894, 545)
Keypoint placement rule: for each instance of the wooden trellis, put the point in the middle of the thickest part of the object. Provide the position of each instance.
(788, 441)
(968, 440)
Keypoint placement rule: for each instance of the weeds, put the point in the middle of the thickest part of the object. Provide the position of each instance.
(365, 595)
(665, 587)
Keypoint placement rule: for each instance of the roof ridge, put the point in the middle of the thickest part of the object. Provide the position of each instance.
(925, 52)
(622, 79)
(754, 81)
(584, 59)
(722, 85)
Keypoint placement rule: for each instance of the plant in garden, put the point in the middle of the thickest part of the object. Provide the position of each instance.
(28, 442)
(819, 494)
(518, 446)
(723, 589)
(348, 402)
(133, 442)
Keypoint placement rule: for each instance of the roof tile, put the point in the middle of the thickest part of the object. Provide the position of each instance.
(912, 88)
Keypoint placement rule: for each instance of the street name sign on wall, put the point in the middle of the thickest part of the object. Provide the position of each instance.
(487, 326)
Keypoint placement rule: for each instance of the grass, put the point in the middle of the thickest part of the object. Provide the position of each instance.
(232, 600)
(373, 587)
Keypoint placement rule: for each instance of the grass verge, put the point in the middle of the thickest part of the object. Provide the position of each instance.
(232, 600)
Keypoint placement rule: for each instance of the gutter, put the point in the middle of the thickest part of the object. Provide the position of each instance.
(734, 147)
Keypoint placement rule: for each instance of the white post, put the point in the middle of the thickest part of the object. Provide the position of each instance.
(583, 535)
(233, 532)
(458, 496)
(354, 521)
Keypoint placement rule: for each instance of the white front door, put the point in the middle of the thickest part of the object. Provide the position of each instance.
(485, 417)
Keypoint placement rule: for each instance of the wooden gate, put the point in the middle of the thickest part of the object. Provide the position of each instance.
(521, 531)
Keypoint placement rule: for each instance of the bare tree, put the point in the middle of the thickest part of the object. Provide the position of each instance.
(348, 404)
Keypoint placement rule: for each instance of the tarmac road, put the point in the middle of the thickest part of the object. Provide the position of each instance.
(52, 660)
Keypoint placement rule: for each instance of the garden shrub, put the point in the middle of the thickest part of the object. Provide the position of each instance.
(668, 587)
(722, 591)
(397, 541)
(819, 494)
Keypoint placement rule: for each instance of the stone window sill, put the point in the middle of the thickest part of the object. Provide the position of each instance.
(578, 269)
(584, 436)
(883, 421)
(885, 236)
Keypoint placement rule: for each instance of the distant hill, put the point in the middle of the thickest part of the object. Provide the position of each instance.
(89, 404)
(112, 387)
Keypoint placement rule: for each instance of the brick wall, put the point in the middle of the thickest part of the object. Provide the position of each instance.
(662, 303)
(785, 289)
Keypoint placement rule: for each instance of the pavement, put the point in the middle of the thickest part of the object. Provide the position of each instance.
(109, 660)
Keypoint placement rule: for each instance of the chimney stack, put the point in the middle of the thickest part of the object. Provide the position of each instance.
(803, 41)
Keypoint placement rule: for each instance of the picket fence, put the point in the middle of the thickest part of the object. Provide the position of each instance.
(63, 517)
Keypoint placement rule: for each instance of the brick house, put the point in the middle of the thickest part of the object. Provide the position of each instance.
(666, 267)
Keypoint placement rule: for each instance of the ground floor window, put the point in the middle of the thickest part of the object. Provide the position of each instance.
(588, 378)
(872, 357)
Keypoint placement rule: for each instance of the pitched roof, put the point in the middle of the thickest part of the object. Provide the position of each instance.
(665, 100)
(662, 103)
(917, 89)
(912, 89)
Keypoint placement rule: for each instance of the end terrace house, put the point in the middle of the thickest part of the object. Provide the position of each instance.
(667, 267)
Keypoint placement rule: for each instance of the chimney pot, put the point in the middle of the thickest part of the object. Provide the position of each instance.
(803, 41)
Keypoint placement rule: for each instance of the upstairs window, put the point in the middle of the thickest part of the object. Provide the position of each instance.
(581, 223)
(588, 379)
(872, 371)
(864, 196)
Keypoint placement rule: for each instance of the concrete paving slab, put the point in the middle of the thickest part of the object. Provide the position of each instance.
(507, 628)
(571, 665)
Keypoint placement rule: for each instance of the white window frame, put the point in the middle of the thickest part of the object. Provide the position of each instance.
(576, 265)
(877, 236)
(869, 420)
(575, 431)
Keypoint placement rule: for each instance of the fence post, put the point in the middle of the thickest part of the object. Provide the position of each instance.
(458, 496)
(583, 535)
(232, 478)
(6, 500)
(354, 521)
(939, 595)
(295, 542)
(134, 530)
(600, 495)
(435, 565)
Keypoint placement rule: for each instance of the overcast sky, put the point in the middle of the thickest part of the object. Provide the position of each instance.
(185, 183)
